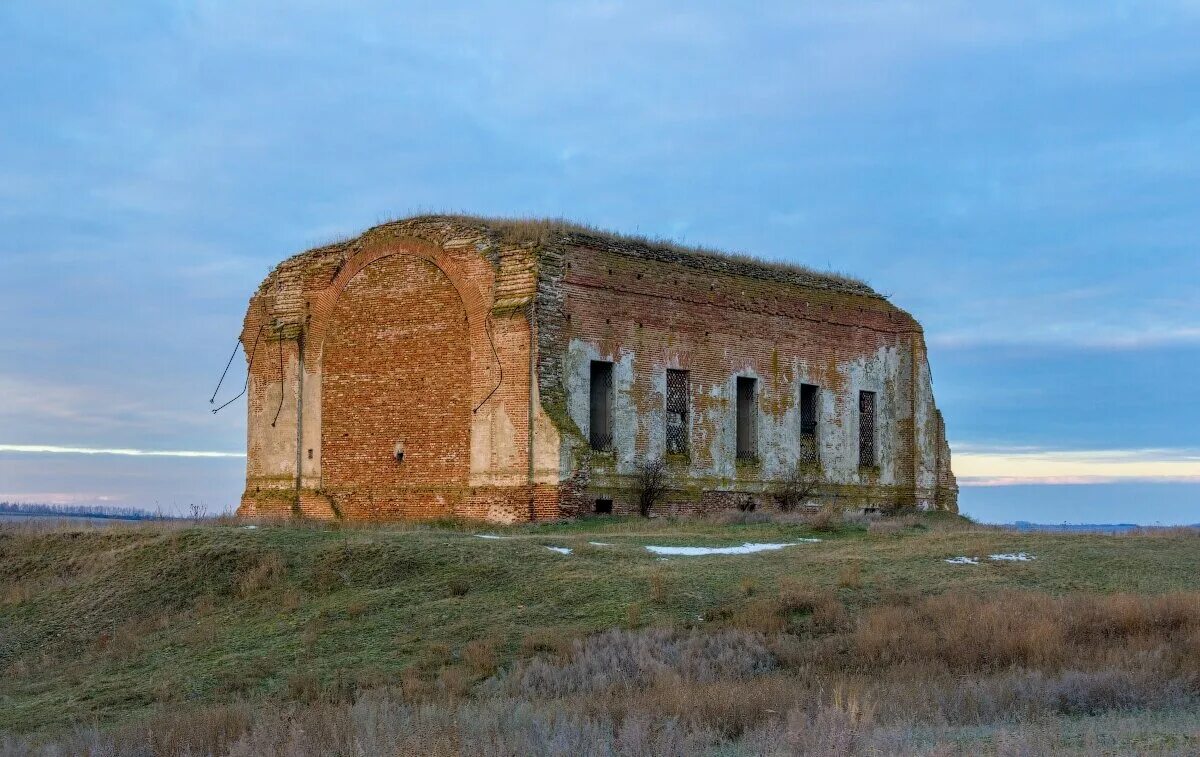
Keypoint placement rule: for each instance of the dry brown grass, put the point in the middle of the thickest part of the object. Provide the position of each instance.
(851, 576)
(900, 681)
(304, 687)
(550, 641)
(18, 592)
(263, 575)
(1031, 630)
(825, 612)
(738, 518)
(454, 682)
(1187, 532)
(828, 518)
(290, 599)
(436, 655)
(765, 615)
(658, 588)
(633, 615)
(891, 525)
(414, 686)
(480, 657)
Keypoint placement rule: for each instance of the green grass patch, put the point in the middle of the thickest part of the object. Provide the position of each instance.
(107, 624)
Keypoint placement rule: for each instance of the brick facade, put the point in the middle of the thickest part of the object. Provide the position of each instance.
(468, 344)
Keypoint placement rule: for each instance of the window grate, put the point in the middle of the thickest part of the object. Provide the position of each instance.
(808, 423)
(747, 430)
(677, 412)
(866, 429)
(601, 441)
(601, 411)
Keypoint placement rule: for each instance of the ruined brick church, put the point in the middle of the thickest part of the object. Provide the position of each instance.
(445, 366)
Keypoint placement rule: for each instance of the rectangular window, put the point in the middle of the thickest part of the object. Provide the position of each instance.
(677, 412)
(601, 415)
(808, 423)
(747, 431)
(866, 429)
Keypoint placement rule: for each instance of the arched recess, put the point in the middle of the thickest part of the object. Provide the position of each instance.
(395, 367)
(465, 271)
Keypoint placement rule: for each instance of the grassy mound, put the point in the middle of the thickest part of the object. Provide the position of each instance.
(134, 628)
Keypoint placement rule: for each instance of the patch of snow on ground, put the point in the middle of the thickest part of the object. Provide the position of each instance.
(746, 549)
(250, 527)
(490, 536)
(1018, 557)
(600, 544)
(560, 550)
(963, 560)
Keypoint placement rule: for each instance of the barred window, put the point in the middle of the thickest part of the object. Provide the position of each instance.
(747, 431)
(601, 410)
(808, 423)
(866, 429)
(677, 412)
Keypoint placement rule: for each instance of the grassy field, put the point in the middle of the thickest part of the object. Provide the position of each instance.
(866, 641)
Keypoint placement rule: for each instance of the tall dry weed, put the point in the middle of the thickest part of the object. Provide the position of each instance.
(264, 574)
(479, 656)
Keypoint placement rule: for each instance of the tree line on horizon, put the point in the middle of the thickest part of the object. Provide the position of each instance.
(79, 511)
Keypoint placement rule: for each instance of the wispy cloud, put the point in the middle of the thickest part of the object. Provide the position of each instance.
(1081, 336)
(127, 452)
(1023, 465)
(58, 498)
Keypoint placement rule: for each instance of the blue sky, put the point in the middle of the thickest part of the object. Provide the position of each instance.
(1024, 177)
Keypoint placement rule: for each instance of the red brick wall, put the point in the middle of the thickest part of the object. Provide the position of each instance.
(396, 368)
(717, 326)
(414, 332)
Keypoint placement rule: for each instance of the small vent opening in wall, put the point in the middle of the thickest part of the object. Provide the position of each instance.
(603, 507)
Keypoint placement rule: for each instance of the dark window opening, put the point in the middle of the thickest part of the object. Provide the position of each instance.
(808, 423)
(677, 412)
(866, 429)
(747, 431)
(603, 507)
(601, 420)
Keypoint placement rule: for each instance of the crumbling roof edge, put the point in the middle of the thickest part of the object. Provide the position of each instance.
(541, 233)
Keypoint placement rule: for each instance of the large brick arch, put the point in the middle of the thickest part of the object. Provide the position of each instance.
(395, 367)
(458, 270)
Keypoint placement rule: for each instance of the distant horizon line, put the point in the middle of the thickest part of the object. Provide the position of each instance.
(135, 513)
(974, 465)
(122, 451)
